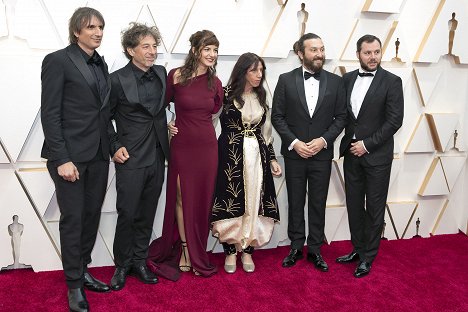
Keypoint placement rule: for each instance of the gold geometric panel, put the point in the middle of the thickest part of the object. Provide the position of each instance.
(381, 29)
(426, 79)
(39, 186)
(452, 166)
(4, 159)
(401, 213)
(382, 6)
(420, 140)
(333, 216)
(36, 247)
(436, 40)
(442, 127)
(336, 194)
(435, 182)
(446, 220)
(342, 231)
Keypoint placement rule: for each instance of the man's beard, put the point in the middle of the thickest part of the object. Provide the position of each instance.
(310, 64)
(366, 68)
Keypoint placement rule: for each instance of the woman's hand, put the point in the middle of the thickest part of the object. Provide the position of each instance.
(275, 168)
(172, 128)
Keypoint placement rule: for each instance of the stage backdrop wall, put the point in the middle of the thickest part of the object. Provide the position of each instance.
(429, 169)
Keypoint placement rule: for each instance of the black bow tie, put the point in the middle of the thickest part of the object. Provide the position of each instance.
(366, 74)
(95, 59)
(307, 75)
(149, 75)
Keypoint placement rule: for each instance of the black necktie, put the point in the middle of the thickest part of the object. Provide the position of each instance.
(366, 74)
(307, 75)
(95, 59)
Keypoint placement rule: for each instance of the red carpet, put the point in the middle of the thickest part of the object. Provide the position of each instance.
(408, 275)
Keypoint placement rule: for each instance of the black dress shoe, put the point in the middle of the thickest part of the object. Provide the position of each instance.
(77, 300)
(318, 261)
(351, 257)
(119, 278)
(144, 274)
(362, 269)
(90, 283)
(294, 255)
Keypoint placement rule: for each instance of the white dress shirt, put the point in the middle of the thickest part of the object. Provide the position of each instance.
(360, 88)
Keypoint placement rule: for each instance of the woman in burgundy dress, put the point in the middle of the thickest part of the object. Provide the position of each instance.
(197, 94)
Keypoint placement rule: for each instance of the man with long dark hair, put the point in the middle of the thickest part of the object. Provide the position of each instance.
(75, 116)
(309, 112)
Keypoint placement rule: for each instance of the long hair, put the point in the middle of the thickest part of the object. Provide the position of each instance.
(237, 80)
(80, 19)
(198, 41)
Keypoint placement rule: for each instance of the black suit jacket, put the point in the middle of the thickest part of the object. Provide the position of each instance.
(290, 115)
(138, 129)
(74, 117)
(380, 116)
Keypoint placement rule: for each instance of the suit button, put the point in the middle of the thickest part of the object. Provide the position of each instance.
(355, 124)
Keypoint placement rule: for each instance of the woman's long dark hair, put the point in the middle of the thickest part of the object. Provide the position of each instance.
(237, 81)
(198, 41)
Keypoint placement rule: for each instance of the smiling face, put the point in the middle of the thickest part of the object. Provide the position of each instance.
(90, 36)
(313, 56)
(253, 77)
(208, 57)
(370, 55)
(145, 53)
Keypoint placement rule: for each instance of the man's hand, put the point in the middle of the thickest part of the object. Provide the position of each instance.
(121, 155)
(302, 149)
(68, 172)
(357, 149)
(316, 145)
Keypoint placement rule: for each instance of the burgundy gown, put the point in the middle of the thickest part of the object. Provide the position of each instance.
(194, 159)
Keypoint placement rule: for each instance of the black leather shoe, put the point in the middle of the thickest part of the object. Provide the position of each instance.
(290, 260)
(318, 261)
(144, 274)
(362, 269)
(119, 278)
(351, 257)
(77, 300)
(90, 283)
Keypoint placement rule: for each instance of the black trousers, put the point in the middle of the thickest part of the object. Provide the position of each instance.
(366, 197)
(138, 192)
(314, 176)
(80, 205)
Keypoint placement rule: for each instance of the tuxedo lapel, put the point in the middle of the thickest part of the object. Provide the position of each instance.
(349, 91)
(322, 90)
(75, 55)
(370, 93)
(129, 85)
(300, 89)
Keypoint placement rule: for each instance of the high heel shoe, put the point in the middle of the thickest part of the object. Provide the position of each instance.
(184, 267)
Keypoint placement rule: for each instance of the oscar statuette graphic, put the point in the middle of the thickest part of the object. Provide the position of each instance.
(452, 26)
(397, 48)
(15, 230)
(302, 17)
(455, 136)
(417, 229)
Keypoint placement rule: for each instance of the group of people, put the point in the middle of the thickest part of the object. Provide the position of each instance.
(223, 184)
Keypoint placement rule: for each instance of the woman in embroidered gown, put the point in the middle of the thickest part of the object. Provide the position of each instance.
(245, 207)
(197, 94)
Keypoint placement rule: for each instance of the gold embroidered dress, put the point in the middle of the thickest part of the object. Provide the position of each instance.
(245, 207)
